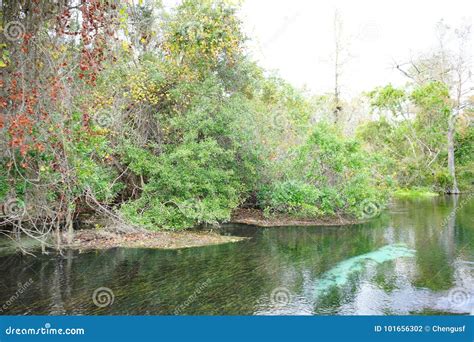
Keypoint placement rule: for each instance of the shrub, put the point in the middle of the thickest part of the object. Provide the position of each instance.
(192, 184)
(328, 175)
(293, 197)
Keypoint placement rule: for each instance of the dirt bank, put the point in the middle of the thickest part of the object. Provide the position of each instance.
(255, 217)
(102, 239)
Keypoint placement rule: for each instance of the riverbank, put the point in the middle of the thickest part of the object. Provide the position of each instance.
(93, 239)
(108, 237)
(257, 218)
(88, 239)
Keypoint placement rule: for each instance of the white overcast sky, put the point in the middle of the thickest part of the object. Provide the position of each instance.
(295, 37)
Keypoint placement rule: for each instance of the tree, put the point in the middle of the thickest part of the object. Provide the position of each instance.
(451, 64)
(340, 57)
(52, 53)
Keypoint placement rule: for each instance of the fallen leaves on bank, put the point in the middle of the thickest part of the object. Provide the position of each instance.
(103, 239)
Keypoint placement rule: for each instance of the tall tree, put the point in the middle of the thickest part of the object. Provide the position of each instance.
(340, 57)
(337, 64)
(451, 64)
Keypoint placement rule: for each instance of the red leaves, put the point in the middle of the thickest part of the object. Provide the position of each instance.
(85, 119)
(20, 121)
(96, 22)
(19, 127)
(26, 42)
(56, 89)
(35, 106)
(39, 147)
(23, 150)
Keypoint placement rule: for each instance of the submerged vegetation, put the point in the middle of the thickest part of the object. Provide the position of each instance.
(159, 118)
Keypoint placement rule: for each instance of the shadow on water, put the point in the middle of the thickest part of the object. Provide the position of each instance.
(418, 257)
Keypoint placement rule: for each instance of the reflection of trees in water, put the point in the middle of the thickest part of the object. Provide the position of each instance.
(442, 237)
(423, 226)
(298, 256)
(239, 278)
(420, 225)
(147, 281)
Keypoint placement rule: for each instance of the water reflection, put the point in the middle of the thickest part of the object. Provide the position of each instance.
(417, 258)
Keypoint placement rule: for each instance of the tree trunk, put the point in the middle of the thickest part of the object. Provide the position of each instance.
(451, 163)
(69, 227)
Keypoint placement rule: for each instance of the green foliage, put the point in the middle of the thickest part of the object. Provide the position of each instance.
(464, 153)
(219, 131)
(328, 174)
(290, 197)
(88, 158)
(414, 193)
(4, 187)
(415, 147)
(192, 184)
(432, 96)
(196, 163)
(388, 98)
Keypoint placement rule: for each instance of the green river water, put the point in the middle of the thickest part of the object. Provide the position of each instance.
(416, 258)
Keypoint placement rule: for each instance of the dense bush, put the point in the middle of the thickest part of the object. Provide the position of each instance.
(191, 184)
(327, 175)
(290, 197)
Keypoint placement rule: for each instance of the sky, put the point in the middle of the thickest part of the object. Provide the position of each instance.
(296, 38)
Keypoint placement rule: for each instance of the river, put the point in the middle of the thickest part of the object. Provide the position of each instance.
(416, 258)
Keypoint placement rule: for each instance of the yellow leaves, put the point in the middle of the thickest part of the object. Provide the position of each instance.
(4, 56)
(55, 55)
(39, 65)
(125, 46)
(142, 89)
(101, 130)
(101, 101)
